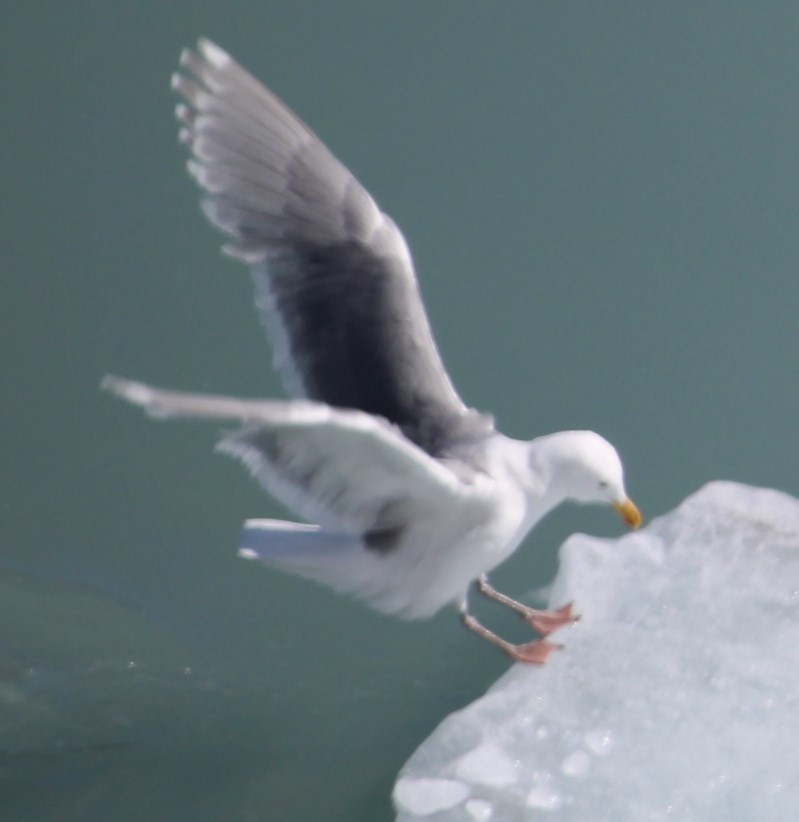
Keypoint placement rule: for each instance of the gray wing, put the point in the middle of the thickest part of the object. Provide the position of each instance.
(335, 284)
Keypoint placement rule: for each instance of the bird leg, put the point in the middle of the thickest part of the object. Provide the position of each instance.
(535, 653)
(545, 622)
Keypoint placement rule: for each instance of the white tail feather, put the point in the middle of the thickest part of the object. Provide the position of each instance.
(333, 558)
(294, 546)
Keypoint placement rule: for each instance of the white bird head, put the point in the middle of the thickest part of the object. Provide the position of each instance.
(585, 467)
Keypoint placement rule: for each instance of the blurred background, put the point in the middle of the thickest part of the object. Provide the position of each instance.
(602, 204)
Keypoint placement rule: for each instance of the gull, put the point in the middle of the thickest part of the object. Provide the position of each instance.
(409, 497)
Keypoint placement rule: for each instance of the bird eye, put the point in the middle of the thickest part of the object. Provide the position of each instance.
(603, 484)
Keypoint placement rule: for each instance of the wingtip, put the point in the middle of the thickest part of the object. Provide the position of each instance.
(109, 383)
(184, 114)
(213, 54)
(134, 392)
(195, 169)
(186, 56)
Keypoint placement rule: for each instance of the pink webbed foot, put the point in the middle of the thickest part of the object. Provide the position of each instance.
(533, 653)
(545, 622)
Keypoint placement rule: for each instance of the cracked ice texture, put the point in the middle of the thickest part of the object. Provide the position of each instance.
(677, 696)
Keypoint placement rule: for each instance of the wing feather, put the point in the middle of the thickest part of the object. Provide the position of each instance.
(344, 469)
(335, 283)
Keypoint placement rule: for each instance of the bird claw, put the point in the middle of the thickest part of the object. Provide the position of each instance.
(545, 622)
(536, 652)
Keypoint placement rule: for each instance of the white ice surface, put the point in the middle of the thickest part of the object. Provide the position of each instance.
(676, 697)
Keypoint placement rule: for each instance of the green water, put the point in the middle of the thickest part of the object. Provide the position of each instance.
(602, 202)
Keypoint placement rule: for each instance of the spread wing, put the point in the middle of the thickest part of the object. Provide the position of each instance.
(334, 280)
(340, 467)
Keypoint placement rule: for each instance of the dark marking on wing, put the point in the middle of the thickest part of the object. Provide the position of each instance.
(349, 318)
(384, 540)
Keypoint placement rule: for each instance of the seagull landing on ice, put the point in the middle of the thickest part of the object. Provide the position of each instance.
(416, 495)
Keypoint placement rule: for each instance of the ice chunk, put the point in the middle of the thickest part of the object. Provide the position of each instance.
(676, 696)
(543, 795)
(576, 764)
(425, 796)
(487, 764)
(479, 809)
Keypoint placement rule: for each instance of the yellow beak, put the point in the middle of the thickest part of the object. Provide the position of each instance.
(629, 512)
